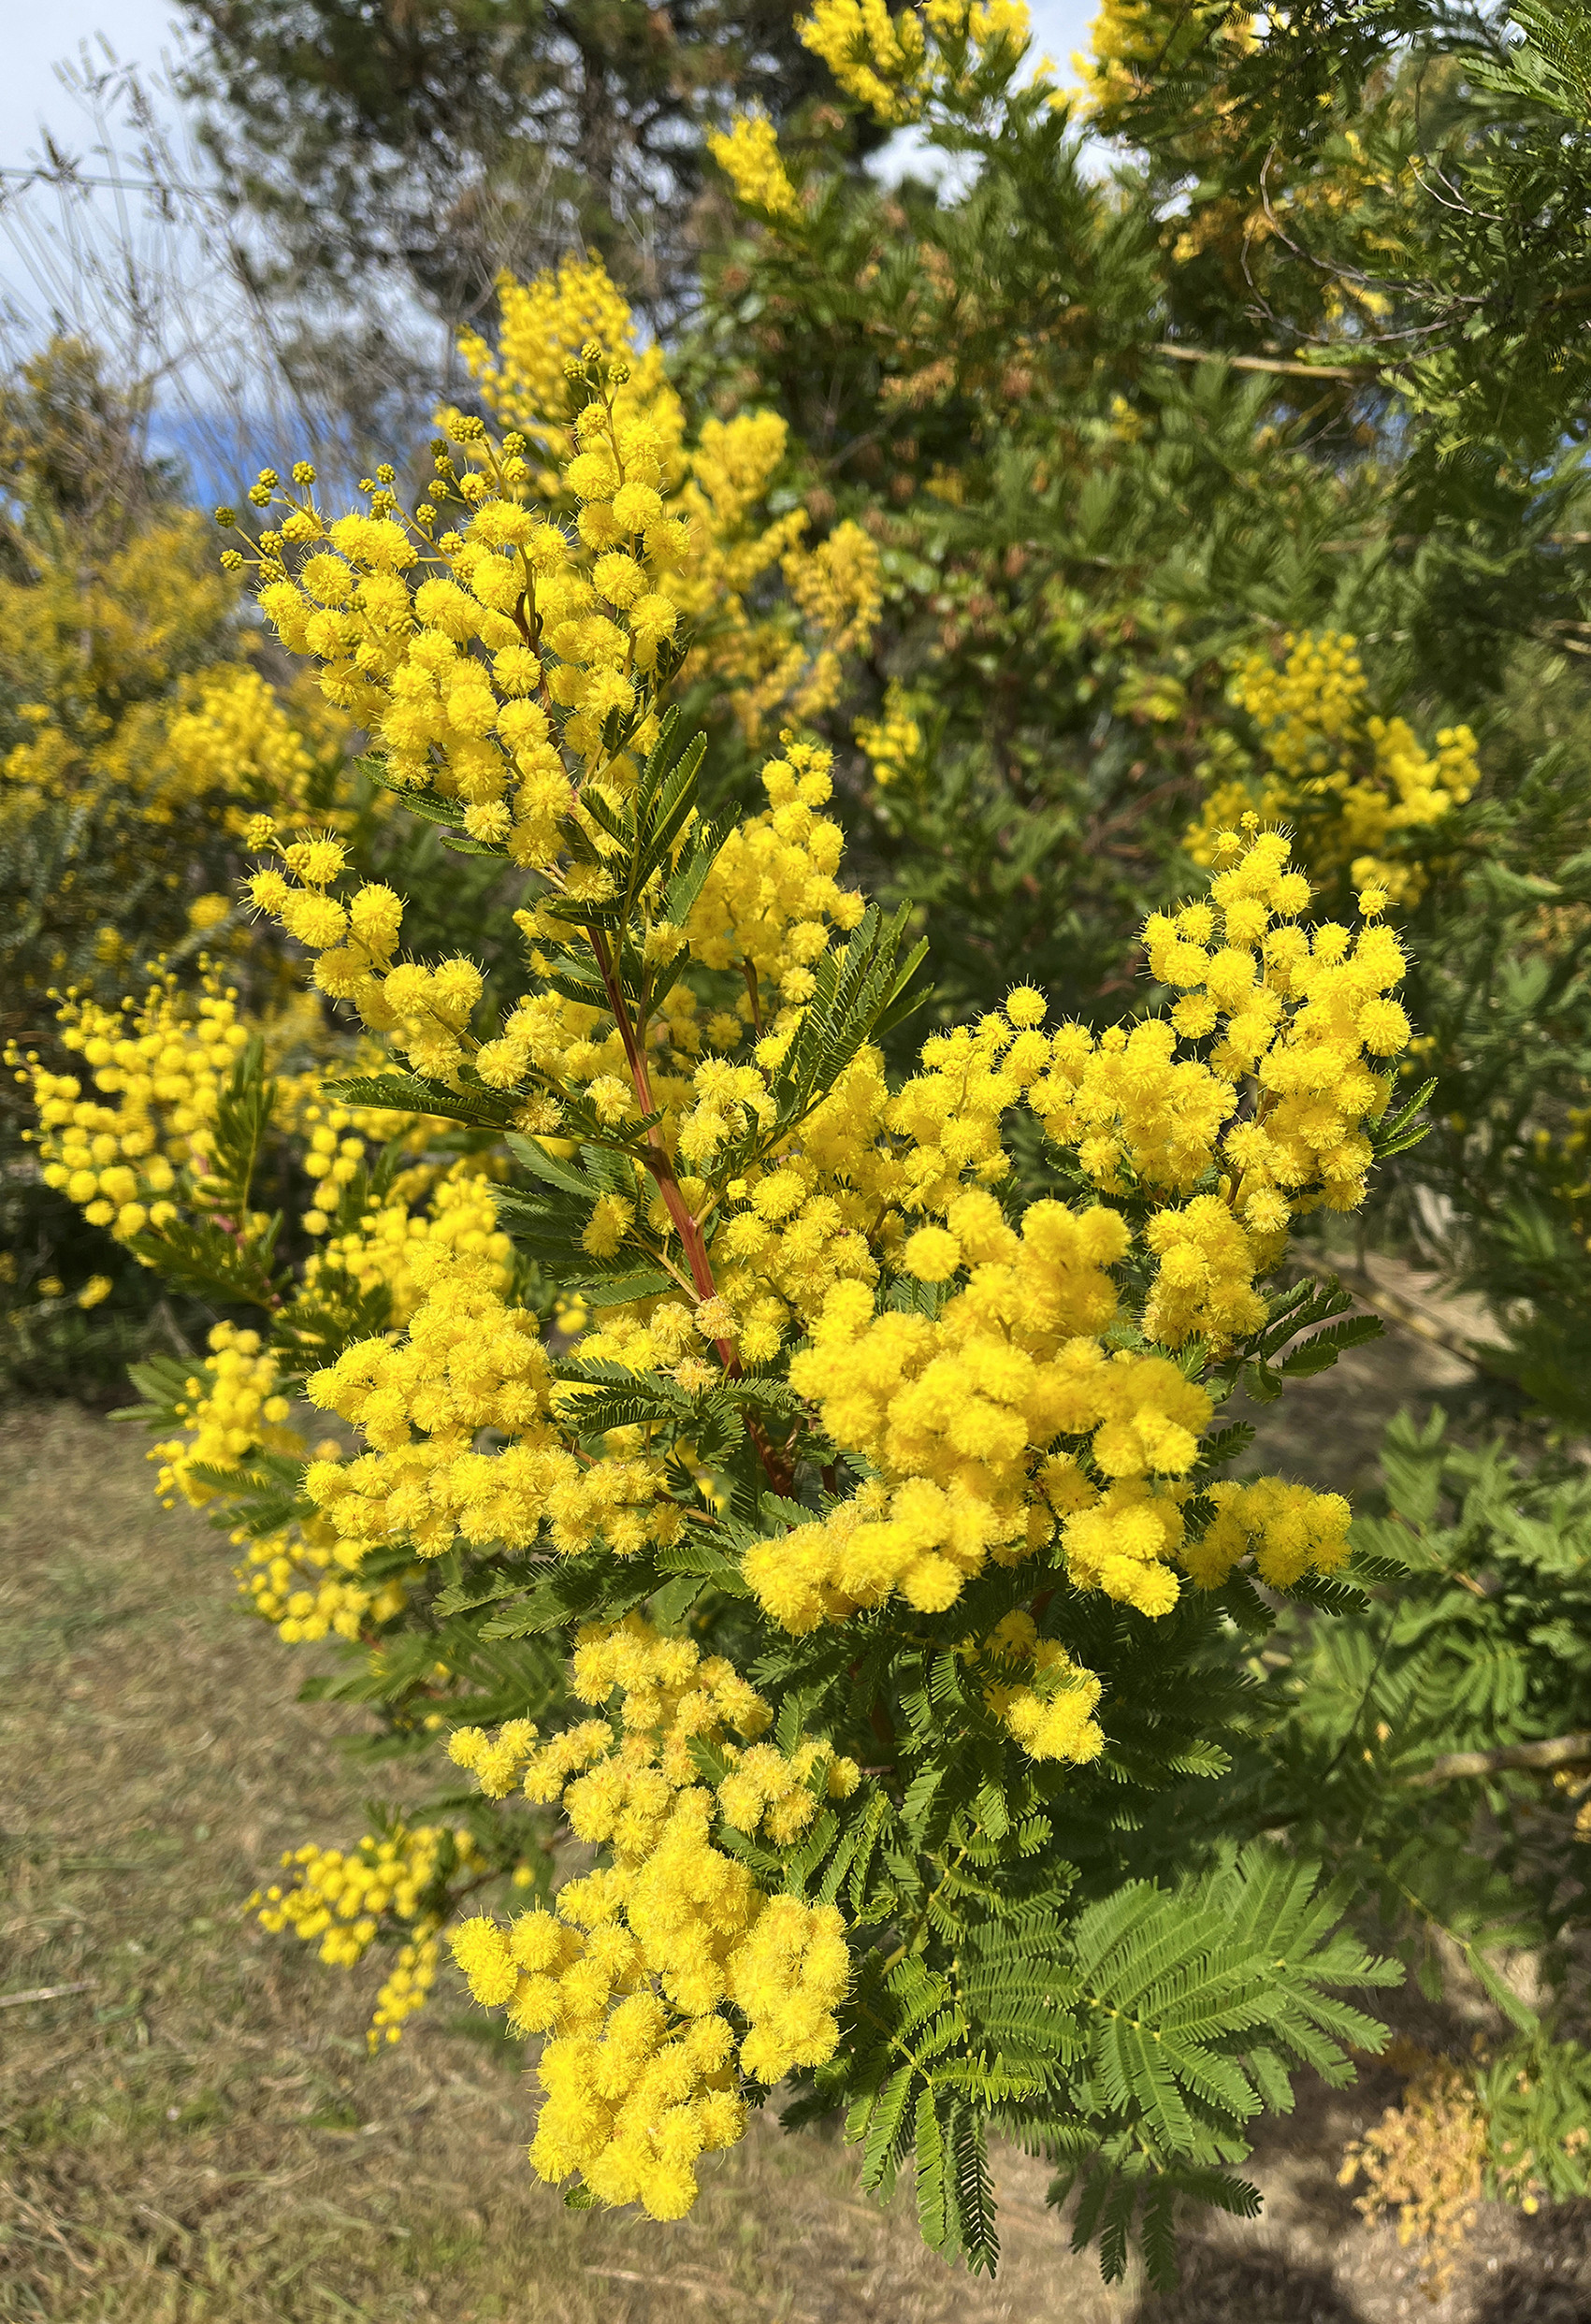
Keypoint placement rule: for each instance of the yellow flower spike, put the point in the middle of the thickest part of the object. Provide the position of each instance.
(751, 161)
(629, 1970)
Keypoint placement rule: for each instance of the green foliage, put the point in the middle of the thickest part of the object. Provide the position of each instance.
(401, 151)
(1132, 2044)
(1536, 2095)
(1499, 1193)
(1079, 532)
(1482, 1641)
(1446, 276)
(1425, 1740)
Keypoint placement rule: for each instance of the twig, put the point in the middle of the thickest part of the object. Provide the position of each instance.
(704, 2289)
(43, 2219)
(1389, 1303)
(1562, 1751)
(1260, 363)
(45, 1993)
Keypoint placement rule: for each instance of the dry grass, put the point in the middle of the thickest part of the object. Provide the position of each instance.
(193, 2135)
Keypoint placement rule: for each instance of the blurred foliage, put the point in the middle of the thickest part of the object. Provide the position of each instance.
(137, 732)
(1124, 436)
(1435, 1749)
(1402, 187)
(401, 155)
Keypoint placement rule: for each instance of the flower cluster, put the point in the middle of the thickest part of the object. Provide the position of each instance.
(642, 1968)
(963, 1419)
(405, 1989)
(390, 1881)
(893, 65)
(1367, 797)
(113, 710)
(232, 733)
(456, 1210)
(305, 1581)
(501, 627)
(146, 1149)
(1288, 1530)
(331, 1155)
(839, 586)
(1127, 51)
(765, 659)
(235, 1408)
(1007, 1415)
(165, 1063)
(1307, 1014)
(1010, 1414)
(394, 610)
(892, 744)
(1051, 1712)
(548, 323)
(771, 897)
(340, 1898)
(748, 154)
(467, 1362)
(767, 912)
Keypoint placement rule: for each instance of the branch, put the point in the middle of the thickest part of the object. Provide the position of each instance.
(1387, 1303)
(1563, 1751)
(1353, 373)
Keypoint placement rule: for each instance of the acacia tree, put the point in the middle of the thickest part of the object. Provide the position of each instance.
(865, 1581)
(1096, 483)
(859, 1570)
(1401, 188)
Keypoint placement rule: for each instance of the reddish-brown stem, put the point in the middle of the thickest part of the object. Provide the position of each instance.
(686, 1226)
(693, 1243)
(779, 1472)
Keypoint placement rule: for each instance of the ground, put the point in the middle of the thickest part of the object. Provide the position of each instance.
(192, 2133)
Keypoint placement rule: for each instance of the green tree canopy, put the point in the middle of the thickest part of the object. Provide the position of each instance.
(423, 145)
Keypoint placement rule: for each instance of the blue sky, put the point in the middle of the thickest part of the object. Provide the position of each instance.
(36, 38)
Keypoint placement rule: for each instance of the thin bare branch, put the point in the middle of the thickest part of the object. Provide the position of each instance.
(1562, 1751)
